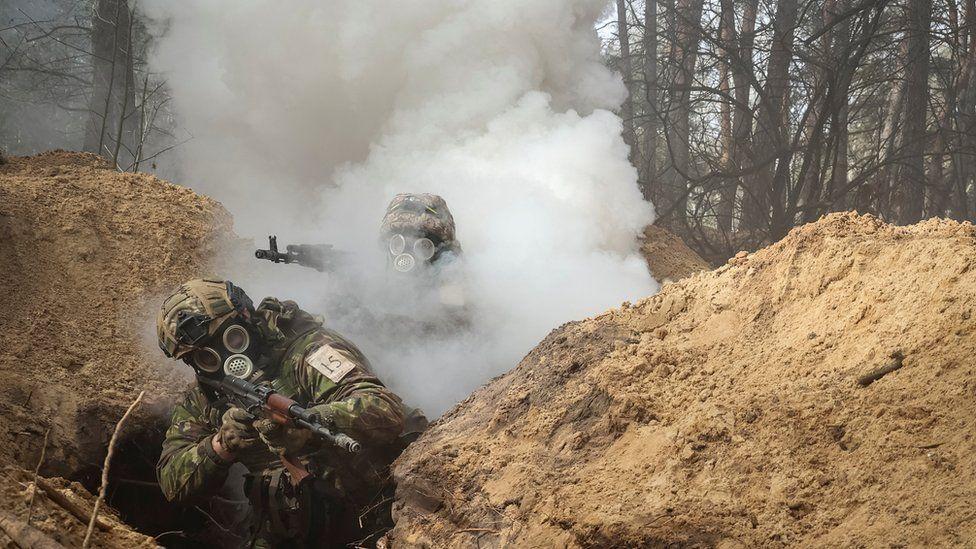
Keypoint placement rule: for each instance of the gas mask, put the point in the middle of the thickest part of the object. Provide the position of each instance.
(407, 253)
(234, 349)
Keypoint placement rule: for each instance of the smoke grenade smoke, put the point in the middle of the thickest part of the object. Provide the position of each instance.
(308, 117)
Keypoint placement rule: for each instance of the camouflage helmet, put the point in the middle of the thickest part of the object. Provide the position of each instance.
(419, 214)
(195, 311)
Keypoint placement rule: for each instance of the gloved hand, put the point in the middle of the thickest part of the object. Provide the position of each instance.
(325, 414)
(237, 433)
(282, 439)
(288, 440)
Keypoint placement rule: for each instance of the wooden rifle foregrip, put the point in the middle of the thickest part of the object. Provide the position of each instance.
(278, 408)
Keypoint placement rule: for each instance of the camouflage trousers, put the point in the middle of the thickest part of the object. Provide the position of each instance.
(311, 515)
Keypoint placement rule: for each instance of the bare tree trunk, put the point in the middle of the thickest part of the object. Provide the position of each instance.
(839, 65)
(104, 39)
(626, 69)
(130, 119)
(912, 175)
(126, 118)
(963, 158)
(727, 192)
(650, 186)
(938, 186)
(837, 184)
(684, 57)
(812, 185)
(144, 125)
(112, 103)
(889, 142)
(743, 76)
(764, 201)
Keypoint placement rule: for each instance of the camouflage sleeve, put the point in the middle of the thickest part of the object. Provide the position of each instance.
(188, 467)
(361, 405)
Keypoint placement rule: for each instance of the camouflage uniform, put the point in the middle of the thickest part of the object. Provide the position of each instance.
(321, 512)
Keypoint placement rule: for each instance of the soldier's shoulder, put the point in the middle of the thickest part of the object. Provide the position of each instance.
(194, 403)
(323, 336)
(327, 352)
(193, 395)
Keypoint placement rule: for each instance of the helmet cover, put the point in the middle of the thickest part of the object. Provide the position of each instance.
(195, 311)
(420, 215)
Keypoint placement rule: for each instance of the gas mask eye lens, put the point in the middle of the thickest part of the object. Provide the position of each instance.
(397, 244)
(236, 339)
(424, 248)
(404, 263)
(206, 359)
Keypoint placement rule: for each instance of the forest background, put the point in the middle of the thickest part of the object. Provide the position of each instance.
(744, 118)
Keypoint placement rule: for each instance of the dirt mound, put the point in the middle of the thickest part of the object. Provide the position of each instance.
(87, 252)
(668, 257)
(725, 411)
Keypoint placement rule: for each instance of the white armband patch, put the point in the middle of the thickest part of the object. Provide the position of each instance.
(330, 362)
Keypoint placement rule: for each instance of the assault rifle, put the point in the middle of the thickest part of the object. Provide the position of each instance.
(321, 257)
(256, 399)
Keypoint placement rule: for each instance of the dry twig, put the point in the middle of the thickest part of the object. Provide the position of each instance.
(475, 531)
(897, 361)
(37, 470)
(108, 460)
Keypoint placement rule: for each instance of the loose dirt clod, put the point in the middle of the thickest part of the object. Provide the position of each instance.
(723, 412)
(86, 253)
(668, 257)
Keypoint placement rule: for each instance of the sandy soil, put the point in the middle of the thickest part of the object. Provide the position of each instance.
(86, 254)
(726, 412)
(668, 257)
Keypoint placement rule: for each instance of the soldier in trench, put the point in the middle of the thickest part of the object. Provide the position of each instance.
(213, 327)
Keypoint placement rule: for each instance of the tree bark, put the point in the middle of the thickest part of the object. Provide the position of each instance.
(626, 69)
(965, 152)
(889, 142)
(912, 173)
(24, 535)
(743, 76)
(650, 186)
(112, 100)
(684, 57)
(764, 202)
(837, 183)
(726, 39)
(103, 33)
(812, 185)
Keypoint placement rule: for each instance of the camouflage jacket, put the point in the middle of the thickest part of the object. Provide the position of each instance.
(363, 408)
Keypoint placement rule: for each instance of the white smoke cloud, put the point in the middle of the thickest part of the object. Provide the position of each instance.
(309, 116)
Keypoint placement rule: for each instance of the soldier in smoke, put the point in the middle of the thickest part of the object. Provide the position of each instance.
(423, 293)
(213, 326)
(417, 233)
(421, 237)
(420, 233)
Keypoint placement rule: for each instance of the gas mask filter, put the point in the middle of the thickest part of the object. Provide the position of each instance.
(408, 254)
(231, 354)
